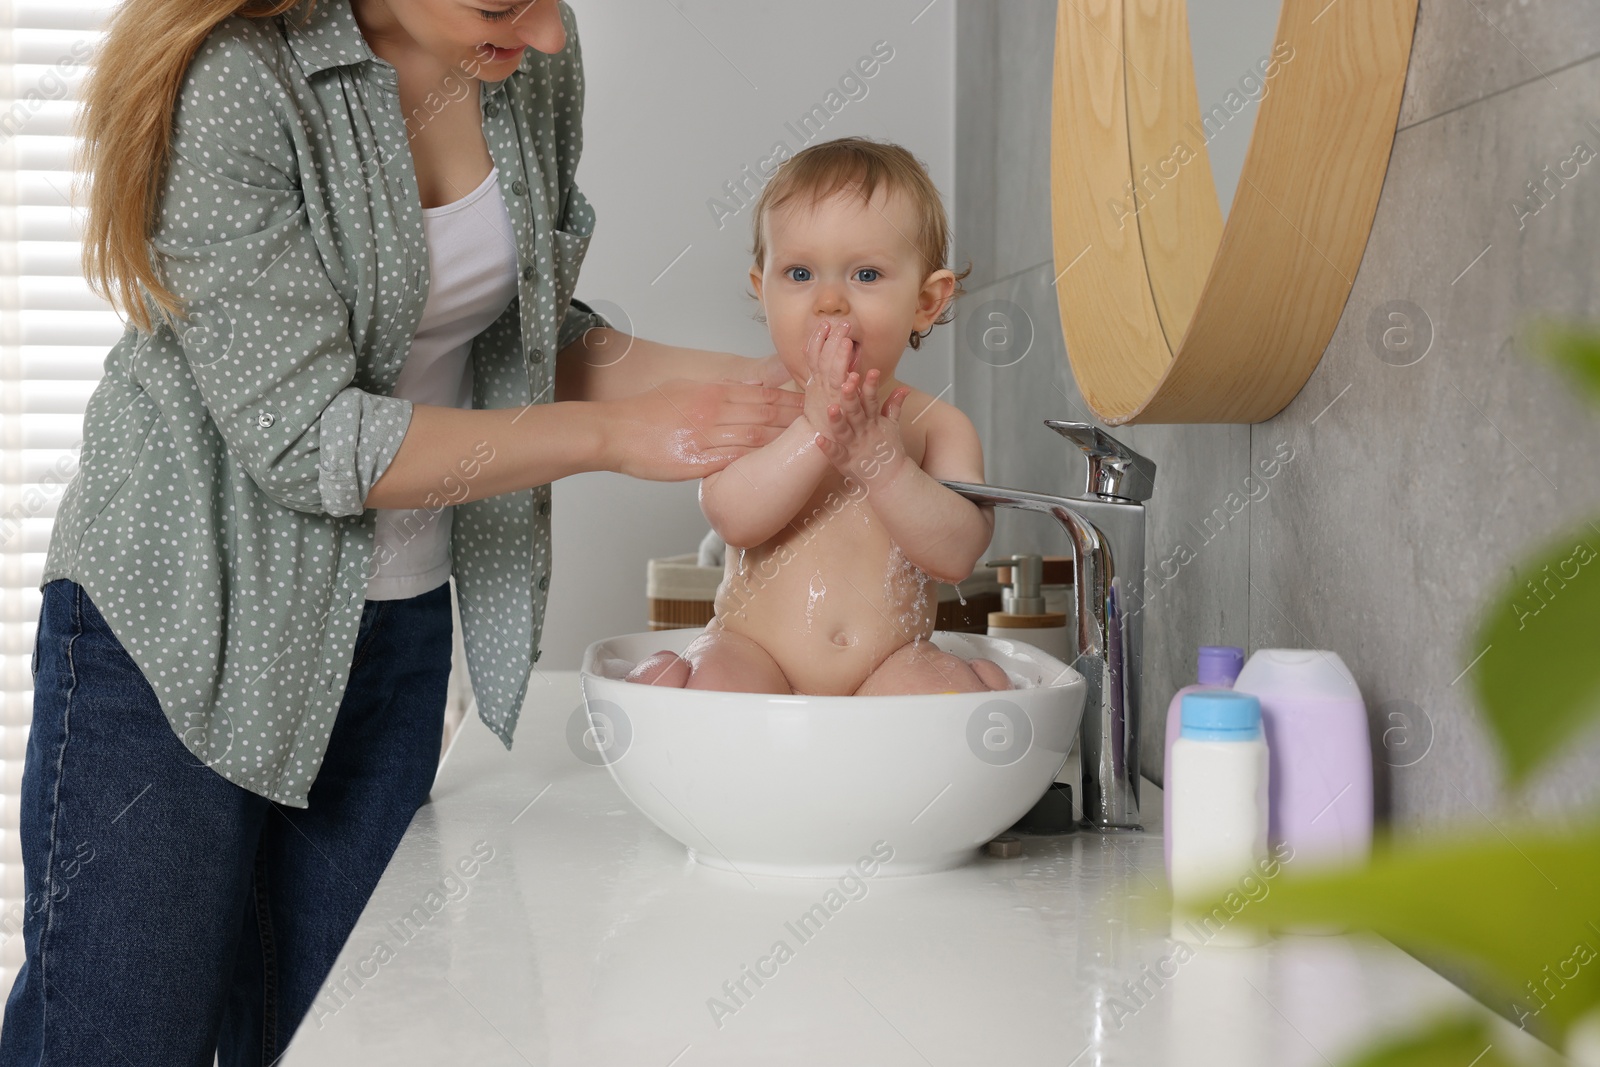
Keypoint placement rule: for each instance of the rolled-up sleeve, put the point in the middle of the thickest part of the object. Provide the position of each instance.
(579, 319)
(358, 434)
(266, 334)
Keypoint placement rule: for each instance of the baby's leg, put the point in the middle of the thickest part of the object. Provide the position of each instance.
(721, 660)
(925, 668)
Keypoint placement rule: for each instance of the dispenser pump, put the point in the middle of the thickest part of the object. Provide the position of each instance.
(1026, 595)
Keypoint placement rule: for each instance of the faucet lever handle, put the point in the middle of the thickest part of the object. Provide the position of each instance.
(1115, 470)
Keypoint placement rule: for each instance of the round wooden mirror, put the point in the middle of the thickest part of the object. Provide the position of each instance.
(1170, 315)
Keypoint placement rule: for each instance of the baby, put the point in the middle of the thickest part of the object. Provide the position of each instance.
(835, 528)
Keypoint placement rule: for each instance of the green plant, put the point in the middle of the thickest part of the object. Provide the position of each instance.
(1519, 909)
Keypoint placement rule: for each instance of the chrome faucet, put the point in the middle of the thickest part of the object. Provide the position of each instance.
(1106, 527)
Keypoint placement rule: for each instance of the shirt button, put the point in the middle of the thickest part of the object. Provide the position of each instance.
(491, 109)
(544, 507)
(519, 187)
(538, 355)
(528, 274)
(537, 653)
(544, 583)
(266, 419)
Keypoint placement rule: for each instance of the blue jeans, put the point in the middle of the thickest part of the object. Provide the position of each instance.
(172, 916)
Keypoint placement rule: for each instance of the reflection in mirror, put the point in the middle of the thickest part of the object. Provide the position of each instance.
(1232, 44)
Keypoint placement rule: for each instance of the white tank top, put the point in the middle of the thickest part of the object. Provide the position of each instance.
(472, 263)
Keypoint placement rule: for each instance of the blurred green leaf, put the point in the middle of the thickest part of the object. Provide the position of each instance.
(1575, 349)
(1537, 675)
(1520, 909)
(1454, 1041)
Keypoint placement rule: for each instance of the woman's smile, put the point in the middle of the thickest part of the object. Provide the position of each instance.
(501, 55)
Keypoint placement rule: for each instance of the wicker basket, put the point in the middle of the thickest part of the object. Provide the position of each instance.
(679, 592)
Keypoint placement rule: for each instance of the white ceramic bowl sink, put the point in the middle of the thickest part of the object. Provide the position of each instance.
(805, 786)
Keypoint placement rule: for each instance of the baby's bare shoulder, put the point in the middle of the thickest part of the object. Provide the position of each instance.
(940, 416)
(951, 448)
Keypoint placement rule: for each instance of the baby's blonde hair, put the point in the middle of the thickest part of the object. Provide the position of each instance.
(821, 170)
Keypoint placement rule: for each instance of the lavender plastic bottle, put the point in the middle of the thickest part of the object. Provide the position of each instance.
(1321, 752)
(1218, 667)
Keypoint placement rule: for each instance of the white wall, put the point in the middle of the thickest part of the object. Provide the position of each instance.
(680, 97)
(1231, 41)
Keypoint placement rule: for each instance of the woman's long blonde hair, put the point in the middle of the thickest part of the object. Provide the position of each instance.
(125, 134)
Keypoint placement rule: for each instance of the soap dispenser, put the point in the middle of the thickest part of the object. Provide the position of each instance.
(1023, 616)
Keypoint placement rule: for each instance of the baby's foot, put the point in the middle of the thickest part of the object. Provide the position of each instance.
(664, 668)
(990, 673)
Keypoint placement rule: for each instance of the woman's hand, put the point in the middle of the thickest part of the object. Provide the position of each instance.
(684, 429)
(769, 371)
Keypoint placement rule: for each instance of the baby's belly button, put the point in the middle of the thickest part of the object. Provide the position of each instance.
(839, 636)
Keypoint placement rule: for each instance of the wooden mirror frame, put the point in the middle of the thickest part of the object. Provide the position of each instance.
(1170, 316)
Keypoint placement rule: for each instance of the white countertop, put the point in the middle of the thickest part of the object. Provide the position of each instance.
(589, 938)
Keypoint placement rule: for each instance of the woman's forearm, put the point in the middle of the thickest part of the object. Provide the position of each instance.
(606, 364)
(453, 455)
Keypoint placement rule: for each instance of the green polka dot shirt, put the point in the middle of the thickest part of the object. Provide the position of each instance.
(217, 518)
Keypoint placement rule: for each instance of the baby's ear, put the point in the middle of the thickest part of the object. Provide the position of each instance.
(937, 289)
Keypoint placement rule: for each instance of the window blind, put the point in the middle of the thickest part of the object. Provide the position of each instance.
(54, 334)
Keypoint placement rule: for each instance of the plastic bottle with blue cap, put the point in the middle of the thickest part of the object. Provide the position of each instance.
(1218, 828)
(1218, 666)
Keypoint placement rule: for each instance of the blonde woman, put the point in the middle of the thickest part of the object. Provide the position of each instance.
(346, 236)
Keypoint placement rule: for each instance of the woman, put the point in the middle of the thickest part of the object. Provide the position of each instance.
(346, 236)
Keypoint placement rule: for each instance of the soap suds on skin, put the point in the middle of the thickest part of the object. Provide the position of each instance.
(686, 449)
(897, 584)
(815, 591)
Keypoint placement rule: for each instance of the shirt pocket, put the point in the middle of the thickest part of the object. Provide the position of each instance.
(117, 424)
(570, 244)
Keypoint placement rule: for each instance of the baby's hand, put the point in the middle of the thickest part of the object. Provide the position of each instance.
(861, 439)
(829, 356)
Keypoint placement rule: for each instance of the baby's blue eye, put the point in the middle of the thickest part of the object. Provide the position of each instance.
(802, 270)
(868, 270)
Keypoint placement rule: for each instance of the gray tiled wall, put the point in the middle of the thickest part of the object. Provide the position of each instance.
(1414, 490)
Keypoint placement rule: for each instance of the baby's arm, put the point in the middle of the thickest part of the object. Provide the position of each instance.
(755, 496)
(941, 532)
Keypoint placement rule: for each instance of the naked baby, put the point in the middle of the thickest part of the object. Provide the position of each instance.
(835, 529)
